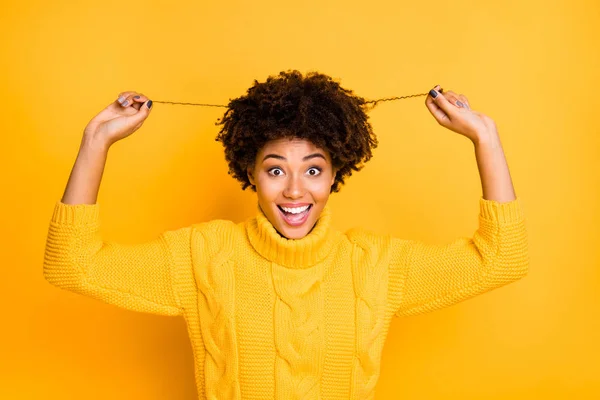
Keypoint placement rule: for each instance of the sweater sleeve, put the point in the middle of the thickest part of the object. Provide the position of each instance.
(425, 277)
(139, 277)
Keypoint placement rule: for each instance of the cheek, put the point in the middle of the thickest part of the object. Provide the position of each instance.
(320, 189)
(267, 189)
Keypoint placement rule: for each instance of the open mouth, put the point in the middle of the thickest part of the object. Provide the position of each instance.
(295, 216)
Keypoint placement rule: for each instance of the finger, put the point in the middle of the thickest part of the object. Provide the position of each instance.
(126, 101)
(464, 100)
(439, 88)
(452, 97)
(140, 116)
(132, 100)
(138, 100)
(459, 99)
(442, 102)
(434, 109)
(123, 96)
(428, 98)
(131, 97)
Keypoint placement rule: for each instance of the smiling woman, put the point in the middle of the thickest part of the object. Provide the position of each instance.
(293, 179)
(294, 139)
(282, 305)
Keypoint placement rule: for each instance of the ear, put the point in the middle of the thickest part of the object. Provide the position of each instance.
(250, 176)
(333, 176)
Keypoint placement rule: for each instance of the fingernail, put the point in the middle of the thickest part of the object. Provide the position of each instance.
(458, 103)
(149, 104)
(136, 97)
(125, 104)
(121, 99)
(433, 93)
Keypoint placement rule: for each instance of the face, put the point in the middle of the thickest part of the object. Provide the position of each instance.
(293, 179)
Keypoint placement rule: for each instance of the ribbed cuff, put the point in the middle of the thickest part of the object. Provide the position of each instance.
(75, 214)
(504, 213)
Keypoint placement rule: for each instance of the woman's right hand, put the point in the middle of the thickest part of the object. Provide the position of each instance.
(119, 119)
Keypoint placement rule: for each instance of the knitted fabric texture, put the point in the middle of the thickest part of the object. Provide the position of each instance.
(270, 317)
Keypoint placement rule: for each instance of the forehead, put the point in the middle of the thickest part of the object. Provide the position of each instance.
(291, 147)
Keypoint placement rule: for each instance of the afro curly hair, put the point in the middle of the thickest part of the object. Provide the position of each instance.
(312, 107)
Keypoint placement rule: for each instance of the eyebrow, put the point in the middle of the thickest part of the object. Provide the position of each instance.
(308, 157)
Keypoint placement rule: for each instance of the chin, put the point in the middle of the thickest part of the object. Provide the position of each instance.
(294, 233)
(297, 228)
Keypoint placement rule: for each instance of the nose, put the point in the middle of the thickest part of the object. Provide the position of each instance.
(294, 188)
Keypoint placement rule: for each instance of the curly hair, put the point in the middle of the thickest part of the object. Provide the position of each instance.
(312, 107)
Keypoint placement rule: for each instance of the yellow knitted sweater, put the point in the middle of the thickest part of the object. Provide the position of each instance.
(270, 317)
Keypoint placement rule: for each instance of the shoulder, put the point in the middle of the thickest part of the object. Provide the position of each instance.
(215, 238)
(214, 231)
(366, 238)
(383, 244)
(218, 230)
(215, 226)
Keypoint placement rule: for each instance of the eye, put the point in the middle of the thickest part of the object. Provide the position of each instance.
(314, 171)
(275, 171)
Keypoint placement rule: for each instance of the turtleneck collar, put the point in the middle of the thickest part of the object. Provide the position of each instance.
(292, 253)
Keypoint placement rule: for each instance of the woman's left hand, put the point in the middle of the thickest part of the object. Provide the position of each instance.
(453, 111)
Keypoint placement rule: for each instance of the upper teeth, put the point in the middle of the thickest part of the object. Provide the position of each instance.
(296, 210)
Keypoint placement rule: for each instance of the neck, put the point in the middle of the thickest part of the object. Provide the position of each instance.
(292, 253)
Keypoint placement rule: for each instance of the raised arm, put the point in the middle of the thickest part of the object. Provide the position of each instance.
(142, 277)
(425, 277)
(452, 111)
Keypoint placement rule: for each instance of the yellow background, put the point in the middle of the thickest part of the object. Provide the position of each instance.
(532, 66)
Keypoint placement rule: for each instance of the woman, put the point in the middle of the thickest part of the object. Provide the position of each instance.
(281, 305)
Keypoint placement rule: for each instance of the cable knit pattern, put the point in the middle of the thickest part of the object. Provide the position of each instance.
(370, 288)
(299, 332)
(298, 315)
(271, 317)
(216, 304)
